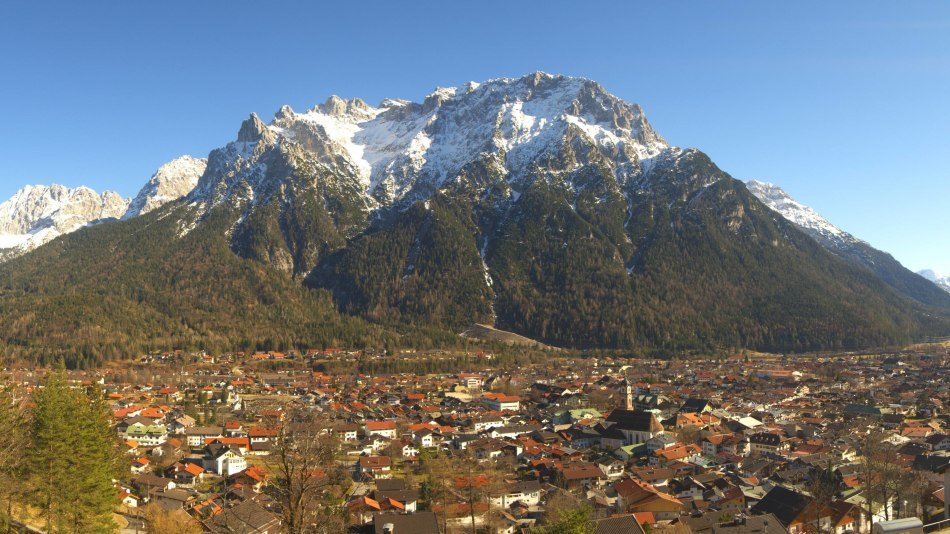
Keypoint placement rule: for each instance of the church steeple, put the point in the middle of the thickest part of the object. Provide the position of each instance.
(627, 389)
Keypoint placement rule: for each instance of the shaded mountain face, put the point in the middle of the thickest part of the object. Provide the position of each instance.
(542, 205)
(846, 246)
(38, 214)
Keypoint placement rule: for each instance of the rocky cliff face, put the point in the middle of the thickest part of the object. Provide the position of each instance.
(38, 214)
(170, 182)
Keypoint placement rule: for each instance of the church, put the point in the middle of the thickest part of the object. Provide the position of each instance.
(636, 426)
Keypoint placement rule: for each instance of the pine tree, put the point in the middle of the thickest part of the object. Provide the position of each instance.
(72, 459)
(13, 424)
(569, 521)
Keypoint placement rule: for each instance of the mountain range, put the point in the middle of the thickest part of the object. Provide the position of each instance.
(37, 214)
(542, 205)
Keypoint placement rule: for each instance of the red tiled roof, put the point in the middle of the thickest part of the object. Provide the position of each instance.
(380, 425)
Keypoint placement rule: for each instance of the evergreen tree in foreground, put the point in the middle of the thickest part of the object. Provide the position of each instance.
(13, 424)
(73, 458)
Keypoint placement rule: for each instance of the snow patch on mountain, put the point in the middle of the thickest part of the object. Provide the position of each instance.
(941, 280)
(801, 215)
(170, 182)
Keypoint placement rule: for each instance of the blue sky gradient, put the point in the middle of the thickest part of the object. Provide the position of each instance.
(846, 105)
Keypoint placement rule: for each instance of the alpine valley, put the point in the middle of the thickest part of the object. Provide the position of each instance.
(541, 205)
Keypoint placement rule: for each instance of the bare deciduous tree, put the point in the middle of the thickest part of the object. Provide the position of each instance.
(881, 474)
(822, 485)
(437, 471)
(307, 482)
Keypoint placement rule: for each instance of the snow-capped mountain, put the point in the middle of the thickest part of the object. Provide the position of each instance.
(542, 205)
(849, 247)
(37, 214)
(170, 182)
(365, 163)
(402, 151)
(803, 216)
(942, 280)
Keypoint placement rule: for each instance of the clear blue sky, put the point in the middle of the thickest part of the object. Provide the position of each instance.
(844, 104)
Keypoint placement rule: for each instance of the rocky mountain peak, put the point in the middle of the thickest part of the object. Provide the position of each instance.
(436, 98)
(353, 109)
(284, 113)
(253, 130)
(37, 214)
(170, 182)
(334, 106)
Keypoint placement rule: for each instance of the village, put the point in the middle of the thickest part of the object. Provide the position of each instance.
(837, 444)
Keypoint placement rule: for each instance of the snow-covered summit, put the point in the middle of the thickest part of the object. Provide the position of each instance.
(850, 248)
(38, 214)
(170, 182)
(405, 150)
(942, 280)
(801, 215)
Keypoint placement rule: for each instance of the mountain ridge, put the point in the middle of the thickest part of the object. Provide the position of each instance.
(172, 181)
(37, 214)
(849, 247)
(541, 205)
(941, 280)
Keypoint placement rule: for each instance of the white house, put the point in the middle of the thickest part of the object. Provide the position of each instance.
(470, 380)
(386, 429)
(661, 441)
(528, 492)
(346, 432)
(225, 460)
(501, 402)
(636, 426)
(147, 435)
(196, 436)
